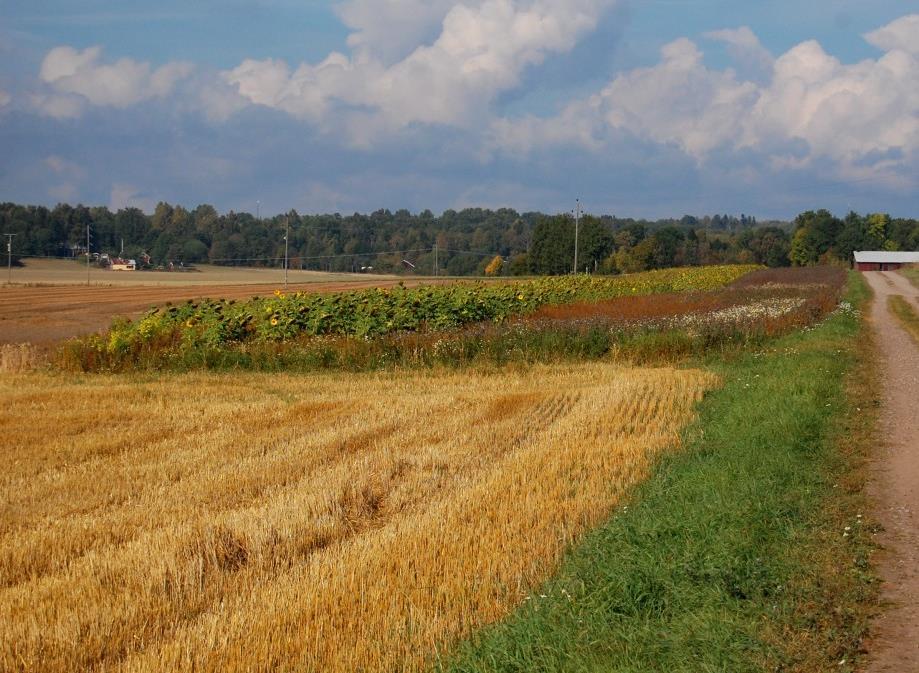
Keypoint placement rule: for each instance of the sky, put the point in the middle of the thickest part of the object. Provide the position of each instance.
(639, 108)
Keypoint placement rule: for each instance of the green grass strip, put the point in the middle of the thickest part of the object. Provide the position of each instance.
(733, 556)
(906, 314)
(911, 272)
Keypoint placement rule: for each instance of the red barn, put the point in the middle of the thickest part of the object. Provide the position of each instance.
(881, 260)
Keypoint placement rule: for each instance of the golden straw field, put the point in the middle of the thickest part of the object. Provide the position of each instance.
(328, 522)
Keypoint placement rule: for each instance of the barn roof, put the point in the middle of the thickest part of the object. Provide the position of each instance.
(884, 257)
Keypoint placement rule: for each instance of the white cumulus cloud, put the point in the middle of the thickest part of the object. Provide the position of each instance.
(746, 49)
(58, 106)
(389, 30)
(72, 72)
(864, 117)
(902, 34)
(482, 49)
(678, 101)
(843, 112)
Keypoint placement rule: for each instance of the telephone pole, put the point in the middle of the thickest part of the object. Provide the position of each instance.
(577, 221)
(9, 257)
(87, 253)
(286, 237)
(436, 264)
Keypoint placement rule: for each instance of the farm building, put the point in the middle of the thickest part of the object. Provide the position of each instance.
(879, 260)
(124, 264)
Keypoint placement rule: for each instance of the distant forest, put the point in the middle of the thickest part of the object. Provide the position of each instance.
(456, 243)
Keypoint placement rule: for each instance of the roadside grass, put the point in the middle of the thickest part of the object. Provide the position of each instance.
(748, 550)
(906, 314)
(911, 272)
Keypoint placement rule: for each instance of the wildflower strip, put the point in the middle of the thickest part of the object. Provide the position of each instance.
(374, 312)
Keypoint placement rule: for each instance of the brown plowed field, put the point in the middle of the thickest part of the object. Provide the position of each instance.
(43, 314)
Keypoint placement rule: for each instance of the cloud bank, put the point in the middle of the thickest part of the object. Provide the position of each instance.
(426, 84)
(481, 51)
(801, 106)
(864, 116)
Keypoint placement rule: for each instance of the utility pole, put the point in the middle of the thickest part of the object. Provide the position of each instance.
(9, 257)
(87, 253)
(258, 205)
(436, 264)
(286, 236)
(577, 221)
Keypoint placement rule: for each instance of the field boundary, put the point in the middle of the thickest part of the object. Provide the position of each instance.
(748, 551)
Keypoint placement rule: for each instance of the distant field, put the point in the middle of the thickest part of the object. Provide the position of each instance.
(65, 272)
(49, 299)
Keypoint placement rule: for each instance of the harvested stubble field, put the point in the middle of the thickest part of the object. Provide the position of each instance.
(205, 522)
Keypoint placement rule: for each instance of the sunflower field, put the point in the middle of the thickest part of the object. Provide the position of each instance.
(373, 312)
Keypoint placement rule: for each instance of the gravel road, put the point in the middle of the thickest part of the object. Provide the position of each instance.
(894, 646)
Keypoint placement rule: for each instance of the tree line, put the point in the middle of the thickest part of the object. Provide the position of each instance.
(458, 243)
(819, 237)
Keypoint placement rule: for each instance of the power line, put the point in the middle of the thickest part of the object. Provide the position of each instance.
(285, 260)
(281, 258)
(294, 256)
(469, 252)
(46, 256)
(305, 257)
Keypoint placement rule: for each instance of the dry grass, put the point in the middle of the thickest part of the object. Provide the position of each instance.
(22, 357)
(906, 314)
(234, 523)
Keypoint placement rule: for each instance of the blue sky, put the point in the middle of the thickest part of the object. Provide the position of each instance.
(652, 108)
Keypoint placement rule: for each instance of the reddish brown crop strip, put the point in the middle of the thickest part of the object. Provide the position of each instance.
(803, 295)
